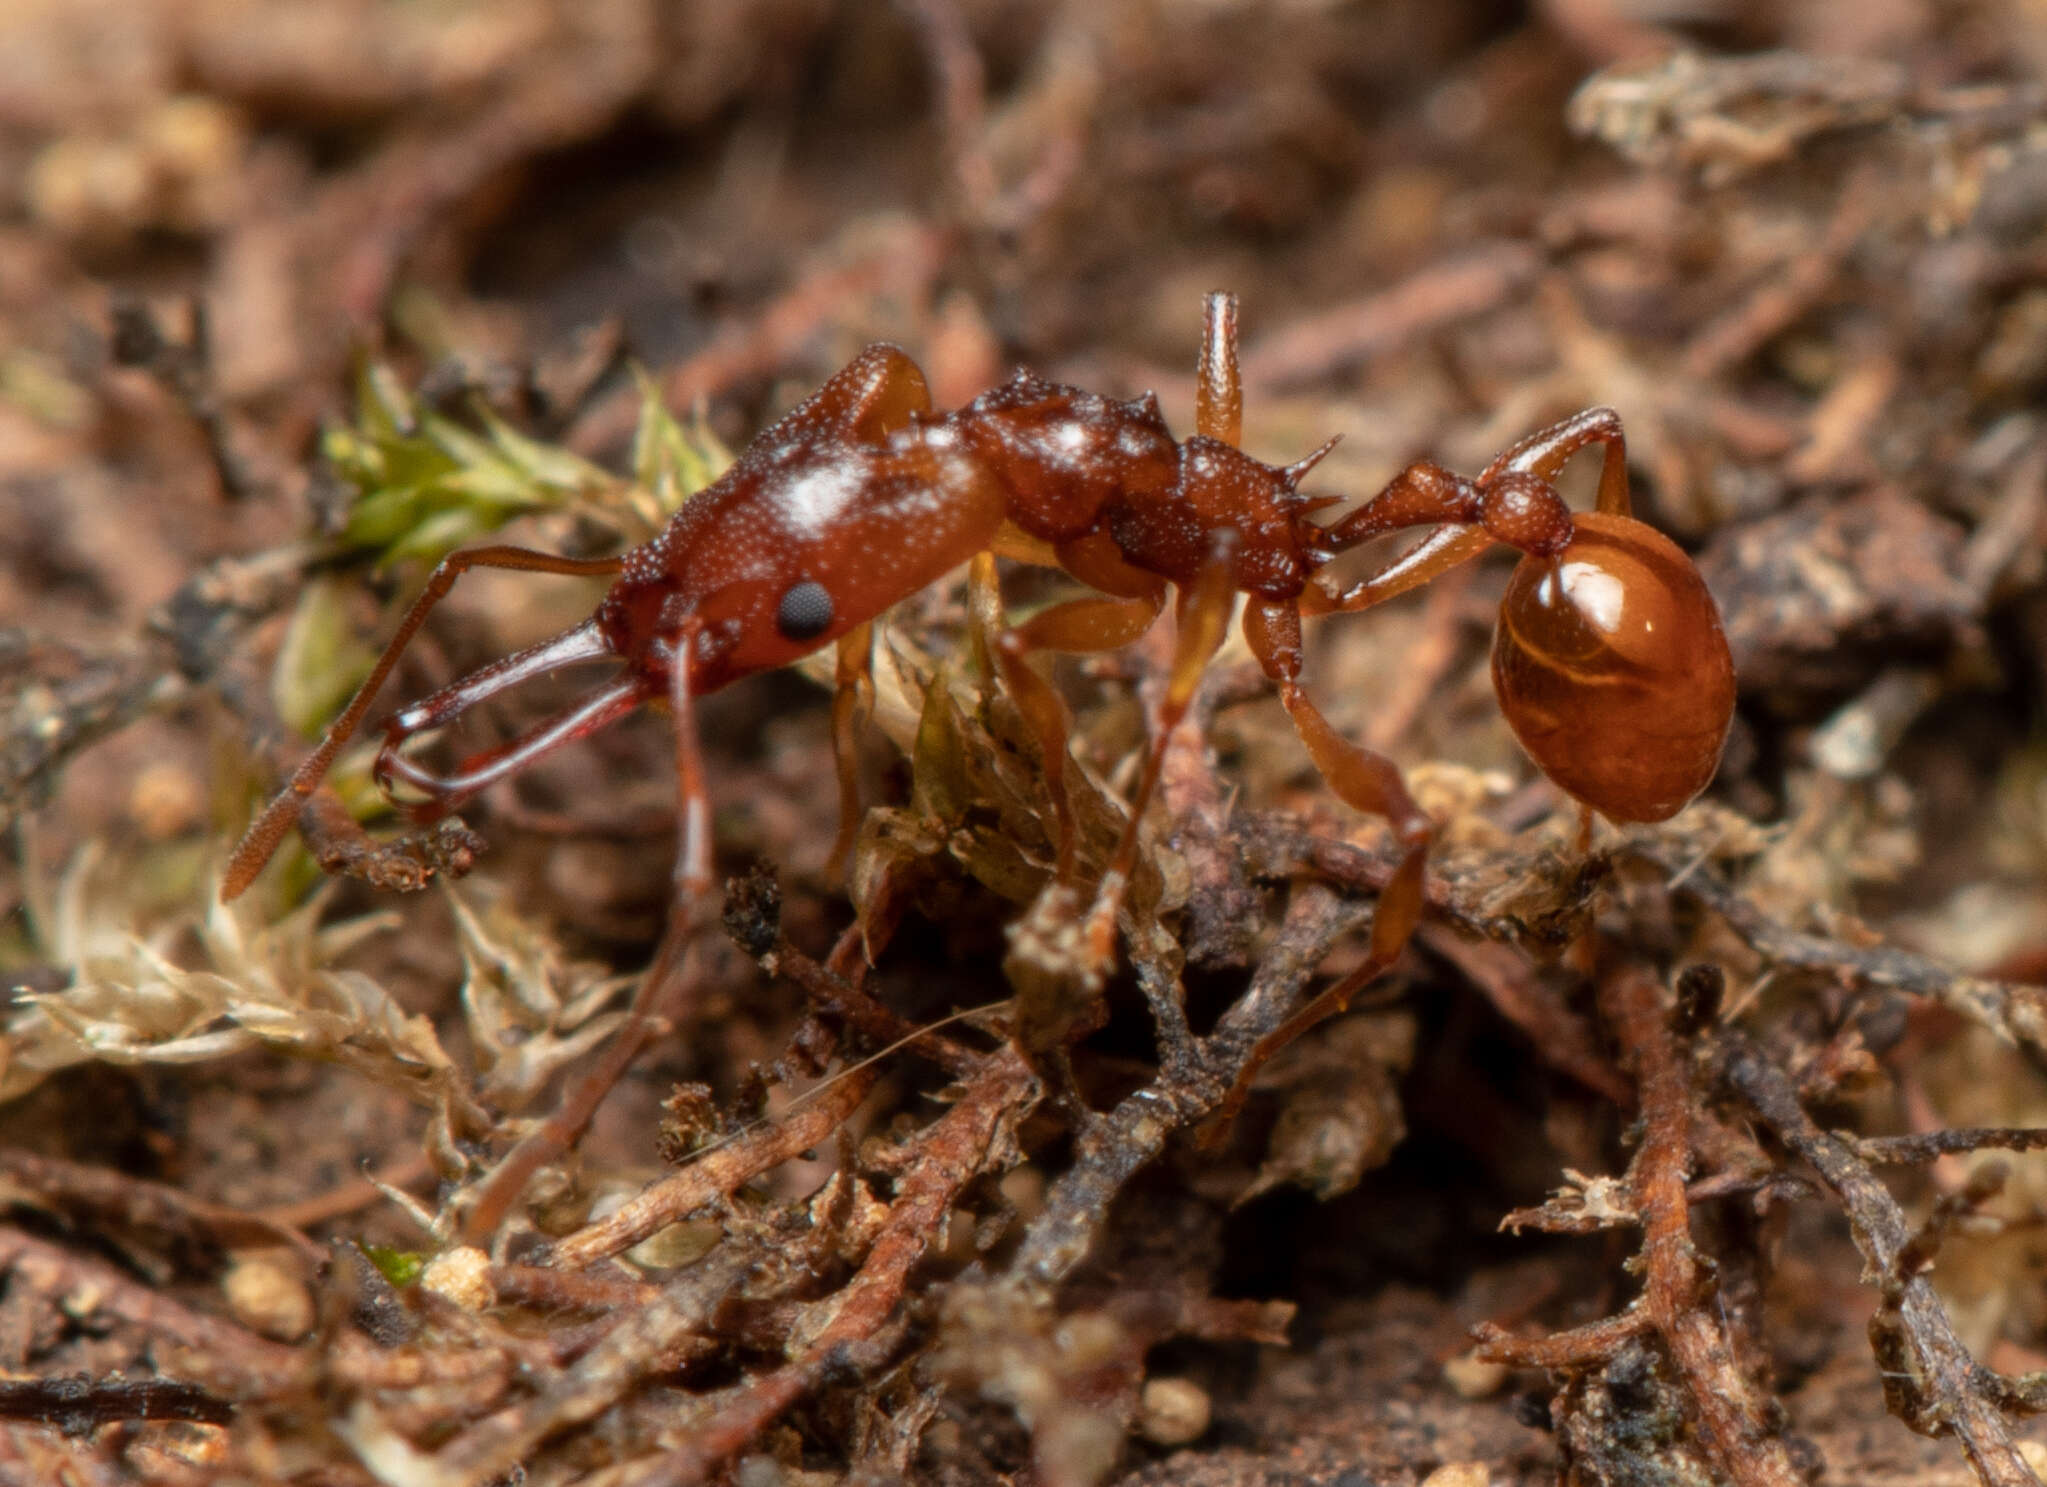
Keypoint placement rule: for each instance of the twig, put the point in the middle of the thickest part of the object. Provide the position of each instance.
(1113, 1148)
(348, 1197)
(640, 1344)
(2015, 1012)
(1736, 1427)
(131, 1201)
(652, 1012)
(1332, 340)
(76, 1405)
(184, 369)
(230, 1355)
(951, 1153)
(1930, 1380)
(1576, 1347)
(718, 1172)
(1928, 1146)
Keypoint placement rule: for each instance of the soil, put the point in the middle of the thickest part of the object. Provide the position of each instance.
(1675, 1153)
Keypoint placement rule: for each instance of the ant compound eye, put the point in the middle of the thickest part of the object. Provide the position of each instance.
(805, 611)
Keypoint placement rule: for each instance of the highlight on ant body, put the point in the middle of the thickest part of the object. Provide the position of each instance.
(1609, 660)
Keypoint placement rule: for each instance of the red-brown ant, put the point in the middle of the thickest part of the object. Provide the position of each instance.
(1609, 660)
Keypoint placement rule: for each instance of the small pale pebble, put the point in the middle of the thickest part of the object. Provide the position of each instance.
(1459, 1474)
(267, 1293)
(2035, 1456)
(462, 1275)
(1172, 1412)
(1474, 1378)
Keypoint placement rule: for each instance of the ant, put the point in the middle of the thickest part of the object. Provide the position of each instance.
(1609, 660)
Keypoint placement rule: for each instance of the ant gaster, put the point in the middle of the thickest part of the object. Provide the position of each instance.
(1609, 660)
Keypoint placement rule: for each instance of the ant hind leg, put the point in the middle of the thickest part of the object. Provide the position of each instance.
(1367, 782)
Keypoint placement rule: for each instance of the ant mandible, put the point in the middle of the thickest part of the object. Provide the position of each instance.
(1609, 660)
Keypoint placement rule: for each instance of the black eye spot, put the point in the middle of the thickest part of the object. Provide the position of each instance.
(805, 611)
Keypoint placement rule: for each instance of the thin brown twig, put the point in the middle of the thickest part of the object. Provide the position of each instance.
(1930, 1380)
(229, 1356)
(1330, 341)
(951, 1153)
(1575, 1347)
(1929, 1146)
(718, 1172)
(2014, 1011)
(640, 1344)
(348, 1197)
(653, 1011)
(116, 1197)
(1737, 1428)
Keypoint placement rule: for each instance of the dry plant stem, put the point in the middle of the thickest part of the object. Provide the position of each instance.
(351, 1196)
(867, 1019)
(1745, 329)
(1580, 1347)
(2015, 1012)
(185, 371)
(962, 87)
(228, 1356)
(651, 1014)
(1277, 845)
(642, 1343)
(116, 1198)
(566, 1290)
(45, 724)
(1930, 1380)
(718, 1172)
(949, 1154)
(1345, 335)
(1929, 1146)
(77, 1405)
(1196, 1076)
(1734, 1416)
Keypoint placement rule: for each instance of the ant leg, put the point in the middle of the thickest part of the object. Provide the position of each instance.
(1544, 453)
(1424, 494)
(1204, 617)
(659, 990)
(268, 829)
(1076, 627)
(1367, 782)
(853, 695)
(692, 795)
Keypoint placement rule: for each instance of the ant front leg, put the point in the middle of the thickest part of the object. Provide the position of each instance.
(1204, 618)
(659, 999)
(1364, 780)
